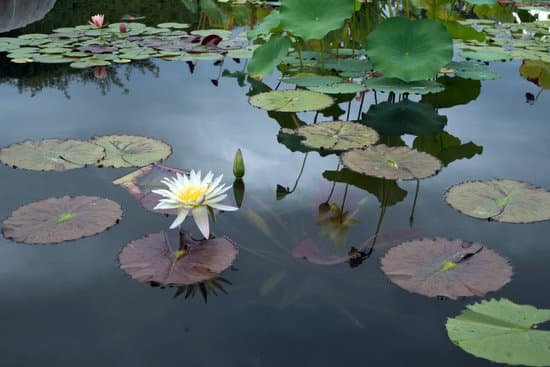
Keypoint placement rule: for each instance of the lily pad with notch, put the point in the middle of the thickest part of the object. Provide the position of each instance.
(291, 101)
(131, 151)
(394, 85)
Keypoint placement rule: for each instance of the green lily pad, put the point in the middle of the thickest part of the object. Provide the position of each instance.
(51, 154)
(392, 163)
(336, 135)
(442, 267)
(22, 60)
(501, 200)
(537, 72)
(487, 54)
(52, 59)
(268, 56)
(313, 19)
(502, 331)
(409, 50)
(57, 220)
(312, 80)
(478, 75)
(405, 117)
(291, 101)
(339, 88)
(174, 25)
(131, 151)
(398, 86)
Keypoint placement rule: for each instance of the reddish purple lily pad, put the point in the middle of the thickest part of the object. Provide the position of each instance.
(143, 181)
(157, 258)
(57, 220)
(450, 268)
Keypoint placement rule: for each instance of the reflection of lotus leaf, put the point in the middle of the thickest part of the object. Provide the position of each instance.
(131, 151)
(336, 135)
(441, 267)
(405, 117)
(61, 219)
(502, 331)
(446, 148)
(409, 49)
(313, 19)
(291, 101)
(399, 86)
(392, 162)
(537, 72)
(51, 154)
(501, 200)
(157, 258)
(458, 91)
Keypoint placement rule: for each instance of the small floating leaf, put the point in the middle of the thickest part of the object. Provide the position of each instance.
(501, 200)
(61, 219)
(442, 267)
(339, 88)
(502, 331)
(131, 151)
(291, 101)
(392, 162)
(312, 80)
(398, 86)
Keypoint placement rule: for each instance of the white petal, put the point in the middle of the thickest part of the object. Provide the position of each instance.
(216, 199)
(165, 193)
(208, 178)
(225, 208)
(201, 218)
(179, 220)
(214, 185)
(166, 205)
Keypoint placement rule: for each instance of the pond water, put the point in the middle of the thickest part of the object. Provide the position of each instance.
(70, 304)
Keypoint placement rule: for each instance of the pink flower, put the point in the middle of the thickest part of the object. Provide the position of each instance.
(122, 28)
(101, 72)
(97, 21)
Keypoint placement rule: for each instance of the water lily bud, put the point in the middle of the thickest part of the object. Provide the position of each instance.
(123, 28)
(238, 164)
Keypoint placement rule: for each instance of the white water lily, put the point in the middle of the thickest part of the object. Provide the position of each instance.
(195, 195)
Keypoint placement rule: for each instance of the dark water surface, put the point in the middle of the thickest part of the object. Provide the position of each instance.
(70, 305)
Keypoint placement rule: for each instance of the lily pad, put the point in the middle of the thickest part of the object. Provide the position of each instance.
(409, 50)
(312, 80)
(56, 220)
(174, 25)
(131, 151)
(339, 88)
(51, 154)
(501, 200)
(502, 331)
(291, 101)
(478, 75)
(535, 71)
(405, 117)
(313, 19)
(442, 267)
(398, 86)
(393, 163)
(336, 135)
(161, 259)
(487, 54)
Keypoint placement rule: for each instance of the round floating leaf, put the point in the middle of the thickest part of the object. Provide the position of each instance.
(409, 49)
(501, 200)
(398, 86)
(131, 151)
(405, 117)
(291, 101)
(312, 80)
(339, 88)
(487, 54)
(313, 19)
(52, 59)
(502, 331)
(442, 267)
(51, 154)
(392, 162)
(56, 220)
(174, 25)
(161, 258)
(336, 135)
(478, 75)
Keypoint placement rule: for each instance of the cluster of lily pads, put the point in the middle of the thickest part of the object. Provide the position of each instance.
(166, 258)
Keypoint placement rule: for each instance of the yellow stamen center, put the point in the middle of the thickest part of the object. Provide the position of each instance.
(192, 194)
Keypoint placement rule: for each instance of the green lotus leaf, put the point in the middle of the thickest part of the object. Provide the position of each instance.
(502, 331)
(348, 65)
(291, 101)
(458, 91)
(131, 151)
(52, 59)
(409, 50)
(501, 200)
(33, 36)
(392, 163)
(22, 60)
(89, 63)
(405, 117)
(478, 75)
(486, 54)
(57, 220)
(266, 57)
(537, 72)
(312, 80)
(449, 268)
(446, 148)
(399, 86)
(336, 135)
(174, 25)
(272, 21)
(51, 154)
(313, 19)
(339, 88)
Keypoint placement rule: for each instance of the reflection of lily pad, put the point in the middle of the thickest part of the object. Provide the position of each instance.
(501, 200)
(336, 135)
(446, 148)
(405, 117)
(458, 91)
(502, 331)
(398, 86)
(291, 101)
(409, 49)
(51, 154)
(61, 219)
(537, 72)
(392, 162)
(441, 267)
(131, 151)
(158, 258)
